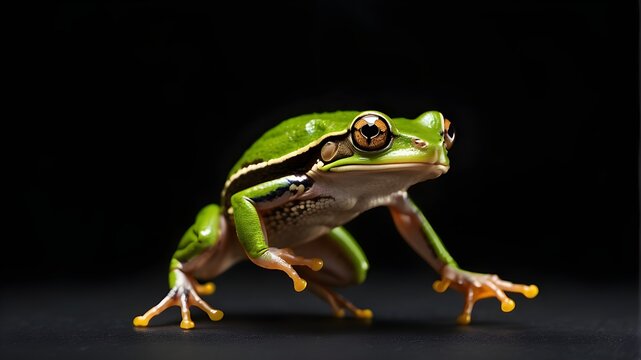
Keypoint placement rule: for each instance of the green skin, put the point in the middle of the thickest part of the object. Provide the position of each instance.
(290, 190)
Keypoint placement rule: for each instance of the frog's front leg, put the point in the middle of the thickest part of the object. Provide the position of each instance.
(420, 235)
(251, 231)
(185, 290)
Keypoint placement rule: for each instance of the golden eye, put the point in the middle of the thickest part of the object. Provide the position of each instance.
(371, 132)
(449, 134)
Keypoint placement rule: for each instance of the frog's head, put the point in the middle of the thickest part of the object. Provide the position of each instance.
(375, 142)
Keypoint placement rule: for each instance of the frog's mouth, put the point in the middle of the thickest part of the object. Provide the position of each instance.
(432, 168)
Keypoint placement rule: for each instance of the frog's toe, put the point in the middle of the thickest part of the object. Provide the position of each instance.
(507, 305)
(141, 321)
(207, 288)
(187, 324)
(531, 291)
(214, 314)
(464, 319)
(299, 284)
(167, 301)
(441, 285)
(363, 313)
(217, 316)
(288, 255)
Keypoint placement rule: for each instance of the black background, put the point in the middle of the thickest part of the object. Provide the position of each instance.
(142, 109)
(131, 114)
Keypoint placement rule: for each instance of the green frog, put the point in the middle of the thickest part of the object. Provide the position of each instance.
(286, 200)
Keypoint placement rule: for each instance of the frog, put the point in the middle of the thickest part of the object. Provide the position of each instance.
(286, 201)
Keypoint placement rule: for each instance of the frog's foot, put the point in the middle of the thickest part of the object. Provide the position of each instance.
(184, 294)
(338, 303)
(480, 286)
(283, 259)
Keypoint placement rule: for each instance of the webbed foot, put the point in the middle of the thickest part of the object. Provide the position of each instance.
(184, 294)
(476, 286)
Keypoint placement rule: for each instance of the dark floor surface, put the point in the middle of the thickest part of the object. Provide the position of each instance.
(265, 318)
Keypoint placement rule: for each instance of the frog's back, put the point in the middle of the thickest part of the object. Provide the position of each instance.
(294, 135)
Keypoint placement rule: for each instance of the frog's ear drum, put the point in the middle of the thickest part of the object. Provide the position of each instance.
(370, 132)
(333, 151)
(449, 134)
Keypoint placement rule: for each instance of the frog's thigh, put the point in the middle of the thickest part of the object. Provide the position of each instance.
(343, 259)
(203, 234)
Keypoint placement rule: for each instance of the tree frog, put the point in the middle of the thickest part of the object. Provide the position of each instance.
(286, 200)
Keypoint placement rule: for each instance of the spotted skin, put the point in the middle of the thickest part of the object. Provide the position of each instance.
(295, 213)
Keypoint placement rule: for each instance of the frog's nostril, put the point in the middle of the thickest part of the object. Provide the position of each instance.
(419, 143)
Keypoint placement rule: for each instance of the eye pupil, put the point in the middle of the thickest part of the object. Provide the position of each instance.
(370, 131)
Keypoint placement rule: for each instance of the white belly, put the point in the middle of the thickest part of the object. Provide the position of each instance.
(336, 198)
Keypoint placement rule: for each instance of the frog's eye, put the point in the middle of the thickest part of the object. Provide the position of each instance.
(370, 132)
(449, 134)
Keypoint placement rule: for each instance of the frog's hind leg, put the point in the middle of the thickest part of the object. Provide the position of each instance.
(197, 251)
(344, 264)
